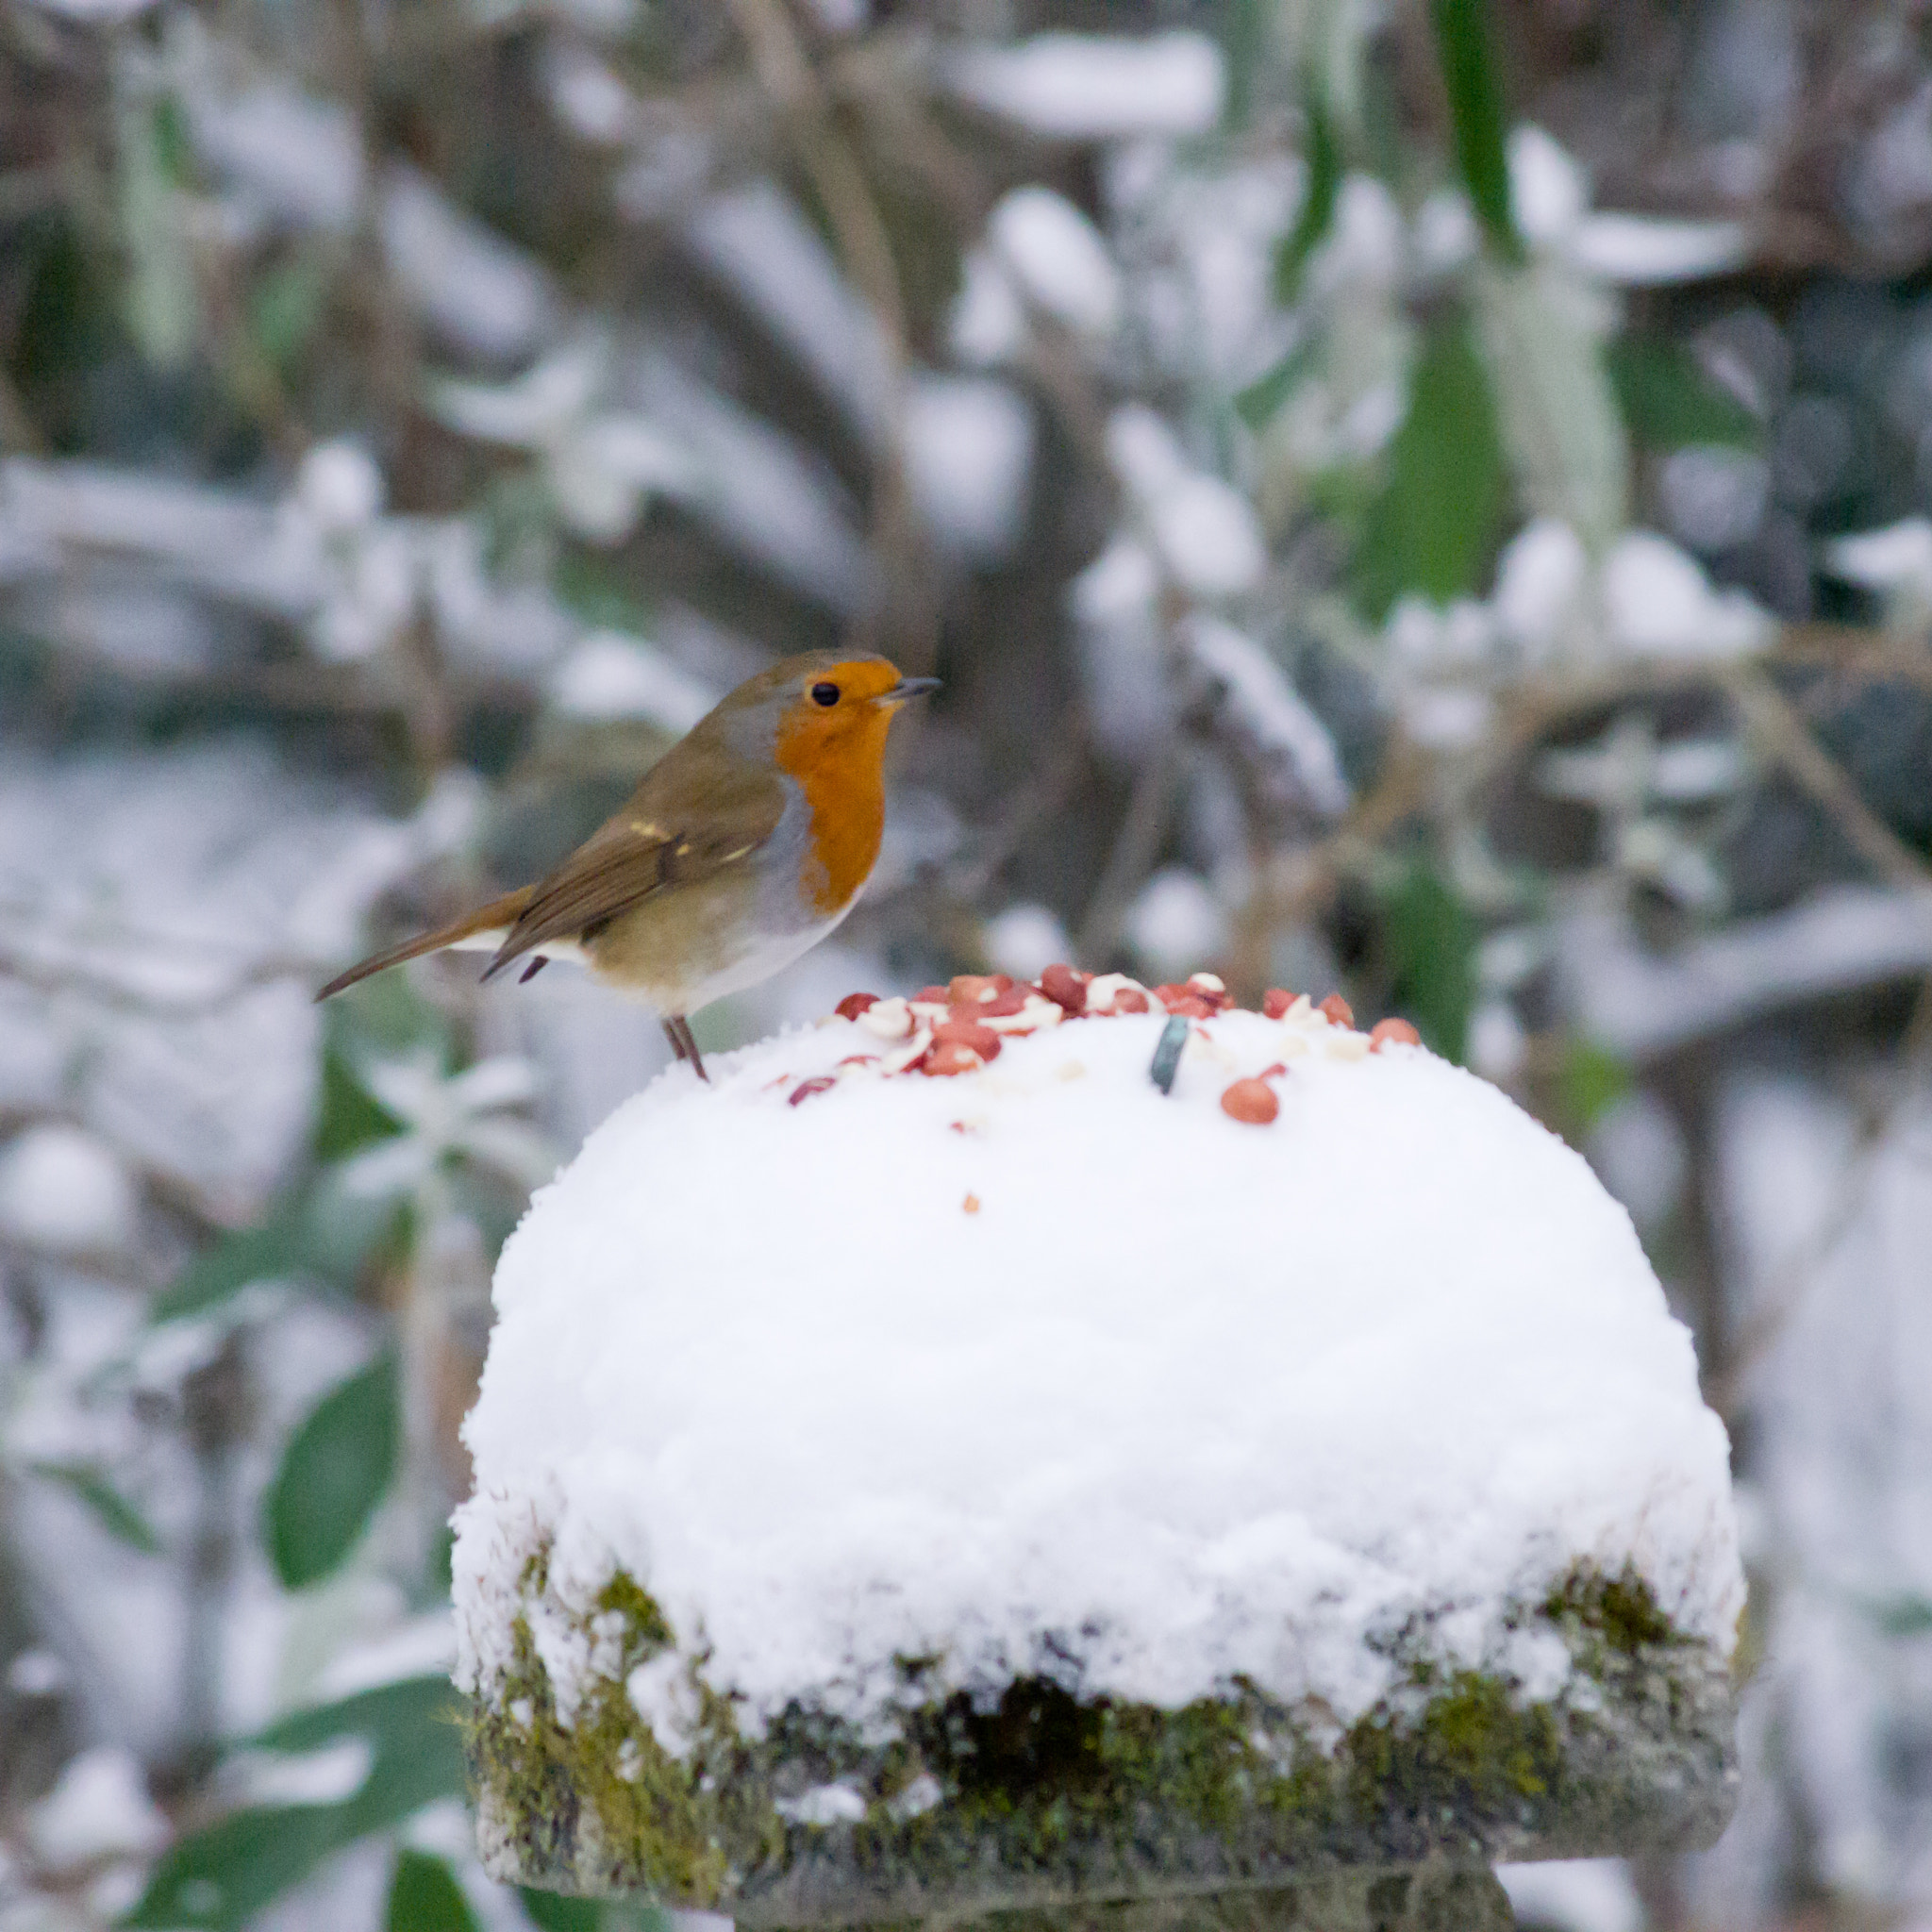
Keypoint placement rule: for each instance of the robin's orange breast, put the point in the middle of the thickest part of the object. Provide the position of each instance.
(840, 773)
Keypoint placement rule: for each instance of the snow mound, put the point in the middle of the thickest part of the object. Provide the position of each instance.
(1037, 1368)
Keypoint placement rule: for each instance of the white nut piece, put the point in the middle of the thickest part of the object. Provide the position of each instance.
(888, 1019)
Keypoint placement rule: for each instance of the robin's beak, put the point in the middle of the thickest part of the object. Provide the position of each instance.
(908, 687)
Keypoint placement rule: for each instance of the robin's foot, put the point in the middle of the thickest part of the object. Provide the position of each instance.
(683, 1044)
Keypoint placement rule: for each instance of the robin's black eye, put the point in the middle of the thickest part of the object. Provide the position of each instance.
(824, 693)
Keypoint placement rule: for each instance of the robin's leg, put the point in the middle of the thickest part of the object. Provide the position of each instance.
(688, 1048)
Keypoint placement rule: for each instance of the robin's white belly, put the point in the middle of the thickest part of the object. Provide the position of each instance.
(682, 949)
(768, 955)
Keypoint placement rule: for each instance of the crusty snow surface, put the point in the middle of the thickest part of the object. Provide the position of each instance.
(1034, 1368)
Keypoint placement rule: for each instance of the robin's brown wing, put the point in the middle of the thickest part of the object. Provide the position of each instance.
(682, 824)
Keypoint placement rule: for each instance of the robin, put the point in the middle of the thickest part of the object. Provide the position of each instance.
(741, 847)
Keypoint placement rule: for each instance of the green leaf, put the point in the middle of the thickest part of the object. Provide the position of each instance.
(423, 1896)
(1591, 1080)
(160, 294)
(345, 1228)
(412, 1726)
(325, 1233)
(1669, 402)
(385, 1018)
(112, 1510)
(1908, 1614)
(284, 306)
(173, 145)
(333, 1473)
(637, 1915)
(393, 1716)
(221, 1876)
(598, 594)
(1432, 939)
(1260, 403)
(549, 1911)
(1476, 114)
(349, 1117)
(1244, 33)
(1434, 528)
(273, 1251)
(1324, 159)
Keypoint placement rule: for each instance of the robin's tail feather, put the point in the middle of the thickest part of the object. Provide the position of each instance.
(481, 928)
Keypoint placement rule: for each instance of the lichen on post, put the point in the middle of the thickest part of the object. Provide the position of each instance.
(936, 1470)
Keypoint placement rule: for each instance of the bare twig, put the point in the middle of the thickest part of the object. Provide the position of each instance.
(860, 231)
(1769, 715)
(1866, 656)
(17, 427)
(1292, 885)
(1134, 850)
(1040, 796)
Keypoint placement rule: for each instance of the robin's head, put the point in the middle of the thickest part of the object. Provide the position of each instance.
(820, 714)
(820, 719)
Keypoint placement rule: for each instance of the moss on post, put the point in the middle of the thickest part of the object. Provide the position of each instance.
(1040, 1797)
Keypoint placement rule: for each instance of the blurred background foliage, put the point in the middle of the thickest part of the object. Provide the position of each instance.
(1423, 499)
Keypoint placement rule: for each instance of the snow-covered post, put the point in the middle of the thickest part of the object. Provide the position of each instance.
(936, 1469)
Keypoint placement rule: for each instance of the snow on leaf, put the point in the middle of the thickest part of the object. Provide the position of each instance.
(601, 461)
(65, 1191)
(755, 240)
(610, 675)
(324, 1776)
(1095, 87)
(1895, 561)
(99, 1808)
(969, 457)
(1658, 603)
(760, 490)
(155, 888)
(1541, 332)
(1640, 252)
(474, 288)
(221, 1876)
(1057, 257)
(298, 157)
(1547, 189)
(445, 1120)
(987, 324)
(1541, 577)
(1205, 530)
(1024, 940)
(1176, 923)
(1270, 709)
